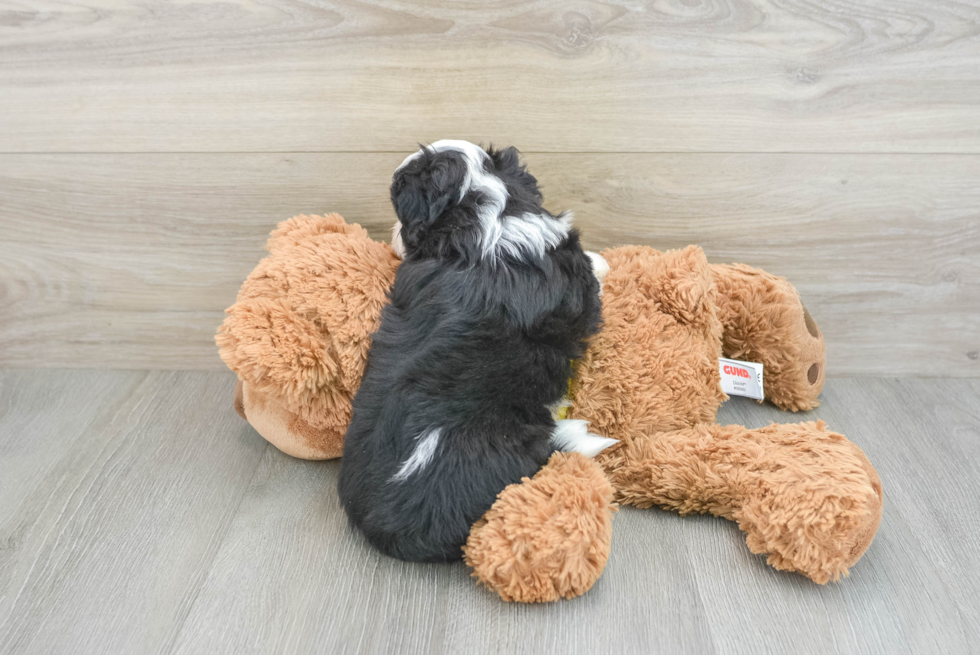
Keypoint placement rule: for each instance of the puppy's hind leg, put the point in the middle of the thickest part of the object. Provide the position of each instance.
(572, 435)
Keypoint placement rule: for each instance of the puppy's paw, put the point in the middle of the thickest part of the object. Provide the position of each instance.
(599, 266)
(572, 435)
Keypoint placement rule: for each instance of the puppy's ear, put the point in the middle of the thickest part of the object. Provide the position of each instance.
(507, 160)
(507, 163)
(427, 187)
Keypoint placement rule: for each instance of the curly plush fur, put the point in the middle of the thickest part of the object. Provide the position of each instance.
(654, 365)
(806, 496)
(548, 537)
(298, 335)
(765, 321)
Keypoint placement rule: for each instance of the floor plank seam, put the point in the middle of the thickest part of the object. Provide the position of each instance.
(169, 647)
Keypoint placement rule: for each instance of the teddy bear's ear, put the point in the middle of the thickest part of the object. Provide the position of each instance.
(685, 288)
(303, 229)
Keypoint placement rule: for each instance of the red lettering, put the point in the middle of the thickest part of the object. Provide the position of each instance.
(739, 372)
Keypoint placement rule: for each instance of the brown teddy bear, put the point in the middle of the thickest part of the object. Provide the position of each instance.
(299, 334)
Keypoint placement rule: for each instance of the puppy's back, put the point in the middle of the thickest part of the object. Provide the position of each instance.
(493, 300)
(451, 410)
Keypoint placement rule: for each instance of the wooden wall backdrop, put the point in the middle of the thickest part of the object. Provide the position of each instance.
(147, 148)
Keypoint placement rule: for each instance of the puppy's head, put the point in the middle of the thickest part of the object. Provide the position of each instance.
(455, 200)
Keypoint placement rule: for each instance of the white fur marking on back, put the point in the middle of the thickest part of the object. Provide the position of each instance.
(572, 435)
(425, 449)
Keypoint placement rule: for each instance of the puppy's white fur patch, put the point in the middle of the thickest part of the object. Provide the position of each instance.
(561, 404)
(572, 435)
(396, 240)
(492, 188)
(531, 235)
(526, 236)
(470, 149)
(599, 266)
(425, 449)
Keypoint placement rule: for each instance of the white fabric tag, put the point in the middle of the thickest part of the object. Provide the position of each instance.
(741, 378)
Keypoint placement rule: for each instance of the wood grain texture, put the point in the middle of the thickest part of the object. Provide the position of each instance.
(116, 492)
(145, 517)
(921, 441)
(128, 261)
(311, 585)
(551, 75)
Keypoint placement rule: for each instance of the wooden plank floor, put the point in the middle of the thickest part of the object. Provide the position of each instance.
(139, 514)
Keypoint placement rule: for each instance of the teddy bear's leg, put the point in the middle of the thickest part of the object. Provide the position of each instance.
(765, 321)
(547, 537)
(284, 429)
(807, 497)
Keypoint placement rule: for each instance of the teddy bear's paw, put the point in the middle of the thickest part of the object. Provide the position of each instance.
(765, 321)
(822, 542)
(547, 537)
(816, 510)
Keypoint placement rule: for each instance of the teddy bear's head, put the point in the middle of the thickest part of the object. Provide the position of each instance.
(299, 333)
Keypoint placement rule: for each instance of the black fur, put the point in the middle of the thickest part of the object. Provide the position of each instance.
(477, 348)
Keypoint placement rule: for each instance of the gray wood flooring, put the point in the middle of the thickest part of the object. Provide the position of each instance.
(139, 514)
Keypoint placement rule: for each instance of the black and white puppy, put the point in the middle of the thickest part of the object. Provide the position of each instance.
(494, 298)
